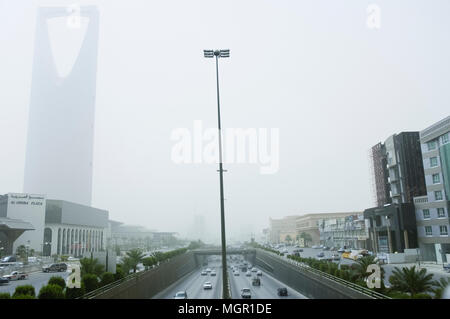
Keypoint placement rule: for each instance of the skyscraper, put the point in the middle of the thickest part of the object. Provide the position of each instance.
(398, 169)
(60, 139)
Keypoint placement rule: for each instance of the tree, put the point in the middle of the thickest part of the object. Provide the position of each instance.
(90, 282)
(119, 272)
(51, 292)
(440, 287)
(24, 290)
(288, 238)
(133, 258)
(91, 266)
(149, 262)
(306, 237)
(411, 280)
(106, 279)
(5, 295)
(21, 251)
(57, 280)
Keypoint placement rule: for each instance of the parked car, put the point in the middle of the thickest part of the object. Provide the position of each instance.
(16, 275)
(248, 273)
(9, 259)
(326, 248)
(207, 285)
(55, 267)
(213, 273)
(254, 269)
(236, 273)
(282, 291)
(336, 257)
(341, 250)
(321, 254)
(203, 273)
(259, 273)
(181, 295)
(332, 248)
(4, 280)
(246, 293)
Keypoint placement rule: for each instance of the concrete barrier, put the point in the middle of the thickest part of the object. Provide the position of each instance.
(310, 284)
(148, 283)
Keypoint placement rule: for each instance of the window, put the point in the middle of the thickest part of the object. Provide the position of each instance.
(445, 138)
(426, 214)
(431, 145)
(433, 161)
(441, 212)
(436, 179)
(428, 231)
(443, 229)
(438, 195)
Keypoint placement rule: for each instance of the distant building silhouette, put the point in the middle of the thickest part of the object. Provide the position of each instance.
(60, 139)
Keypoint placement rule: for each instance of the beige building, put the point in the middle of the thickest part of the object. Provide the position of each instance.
(309, 224)
(280, 228)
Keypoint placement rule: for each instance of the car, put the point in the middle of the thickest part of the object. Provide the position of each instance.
(298, 250)
(254, 269)
(256, 281)
(341, 250)
(326, 248)
(207, 285)
(347, 251)
(236, 273)
(16, 275)
(203, 273)
(4, 280)
(208, 270)
(213, 273)
(248, 273)
(55, 267)
(259, 273)
(315, 247)
(285, 251)
(282, 291)
(321, 254)
(246, 293)
(181, 295)
(332, 248)
(9, 259)
(71, 258)
(336, 257)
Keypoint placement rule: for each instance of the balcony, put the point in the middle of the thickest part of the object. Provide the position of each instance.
(421, 199)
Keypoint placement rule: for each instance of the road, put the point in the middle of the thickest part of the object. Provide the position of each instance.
(193, 285)
(36, 279)
(267, 290)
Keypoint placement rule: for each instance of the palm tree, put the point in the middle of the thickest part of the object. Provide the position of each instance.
(91, 266)
(306, 237)
(133, 258)
(410, 280)
(288, 239)
(441, 285)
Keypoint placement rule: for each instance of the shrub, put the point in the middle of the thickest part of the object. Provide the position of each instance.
(25, 290)
(398, 295)
(72, 293)
(322, 267)
(5, 295)
(90, 282)
(56, 280)
(337, 273)
(107, 278)
(345, 274)
(23, 297)
(51, 292)
(119, 273)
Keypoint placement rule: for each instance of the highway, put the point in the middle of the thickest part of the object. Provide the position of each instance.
(193, 285)
(267, 290)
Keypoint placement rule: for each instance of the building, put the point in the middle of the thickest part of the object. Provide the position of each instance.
(346, 231)
(432, 209)
(51, 226)
(281, 228)
(309, 224)
(60, 138)
(398, 169)
(392, 228)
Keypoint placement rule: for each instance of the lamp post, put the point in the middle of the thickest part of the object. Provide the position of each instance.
(221, 54)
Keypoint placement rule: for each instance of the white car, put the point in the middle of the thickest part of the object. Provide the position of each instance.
(207, 285)
(236, 273)
(16, 275)
(248, 273)
(254, 269)
(181, 295)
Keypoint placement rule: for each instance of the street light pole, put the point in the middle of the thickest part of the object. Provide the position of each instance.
(221, 54)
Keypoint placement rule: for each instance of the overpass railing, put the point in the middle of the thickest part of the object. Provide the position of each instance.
(346, 283)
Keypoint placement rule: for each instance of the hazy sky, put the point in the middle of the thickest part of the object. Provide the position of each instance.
(313, 69)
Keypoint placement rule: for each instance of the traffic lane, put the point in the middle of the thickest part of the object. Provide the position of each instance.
(267, 290)
(193, 285)
(36, 279)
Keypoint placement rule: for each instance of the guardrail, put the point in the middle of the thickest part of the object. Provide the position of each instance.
(346, 283)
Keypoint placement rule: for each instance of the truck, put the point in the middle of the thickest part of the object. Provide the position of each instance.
(16, 275)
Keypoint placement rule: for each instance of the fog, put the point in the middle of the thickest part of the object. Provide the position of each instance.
(314, 70)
